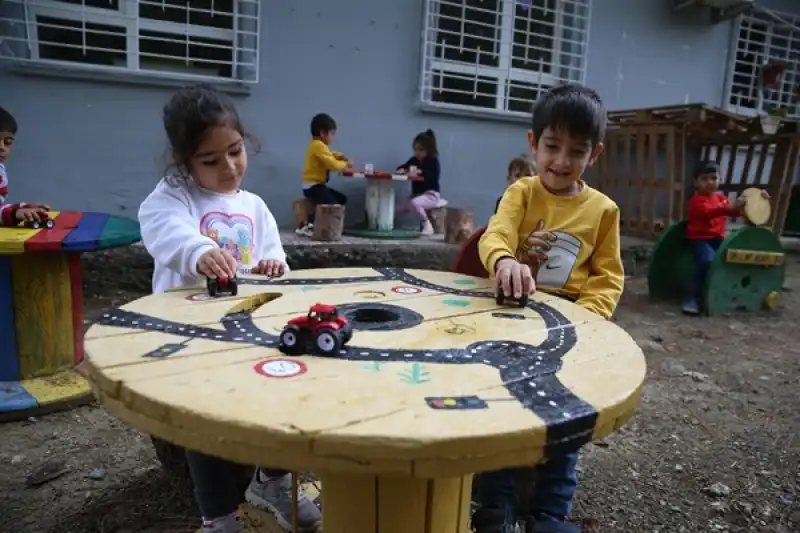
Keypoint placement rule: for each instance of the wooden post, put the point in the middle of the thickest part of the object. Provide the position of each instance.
(301, 208)
(780, 181)
(638, 219)
(459, 225)
(671, 179)
(380, 204)
(628, 181)
(437, 217)
(329, 223)
(353, 503)
(680, 189)
(649, 224)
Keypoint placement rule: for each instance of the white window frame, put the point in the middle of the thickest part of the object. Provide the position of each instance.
(126, 16)
(504, 72)
(739, 43)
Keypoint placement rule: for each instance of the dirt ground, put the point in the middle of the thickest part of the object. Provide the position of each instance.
(713, 446)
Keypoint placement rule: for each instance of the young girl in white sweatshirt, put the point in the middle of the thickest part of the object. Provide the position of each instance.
(199, 223)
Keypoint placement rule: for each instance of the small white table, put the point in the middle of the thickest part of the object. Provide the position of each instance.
(380, 196)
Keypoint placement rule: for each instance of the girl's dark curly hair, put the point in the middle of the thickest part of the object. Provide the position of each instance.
(189, 114)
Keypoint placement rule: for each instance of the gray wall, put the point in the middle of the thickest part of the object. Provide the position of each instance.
(99, 146)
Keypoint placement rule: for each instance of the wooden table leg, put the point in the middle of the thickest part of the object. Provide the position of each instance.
(355, 503)
(47, 323)
(380, 205)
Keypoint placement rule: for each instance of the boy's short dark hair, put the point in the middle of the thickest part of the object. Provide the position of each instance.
(322, 123)
(705, 167)
(7, 122)
(574, 107)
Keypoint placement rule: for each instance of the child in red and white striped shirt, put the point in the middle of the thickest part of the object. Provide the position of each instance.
(11, 214)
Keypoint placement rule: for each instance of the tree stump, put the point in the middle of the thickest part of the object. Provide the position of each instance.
(437, 217)
(459, 225)
(329, 223)
(301, 209)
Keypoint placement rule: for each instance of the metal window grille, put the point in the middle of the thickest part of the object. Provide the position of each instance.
(762, 40)
(213, 40)
(500, 55)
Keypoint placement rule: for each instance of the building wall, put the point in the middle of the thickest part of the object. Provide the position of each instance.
(99, 146)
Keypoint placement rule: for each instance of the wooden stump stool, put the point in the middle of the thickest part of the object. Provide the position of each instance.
(301, 209)
(437, 217)
(459, 225)
(329, 223)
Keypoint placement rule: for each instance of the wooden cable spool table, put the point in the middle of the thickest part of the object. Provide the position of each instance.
(437, 382)
(41, 308)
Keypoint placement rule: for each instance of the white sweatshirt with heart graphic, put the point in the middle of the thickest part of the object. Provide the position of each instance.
(181, 223)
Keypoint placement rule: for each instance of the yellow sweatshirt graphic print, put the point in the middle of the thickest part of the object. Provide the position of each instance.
(551, 255)
(571, 243)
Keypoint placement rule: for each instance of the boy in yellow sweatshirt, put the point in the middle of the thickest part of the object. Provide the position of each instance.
(318, 163)
(554, 233)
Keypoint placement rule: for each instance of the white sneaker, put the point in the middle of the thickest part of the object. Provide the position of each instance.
(306, 231)
(427, 228)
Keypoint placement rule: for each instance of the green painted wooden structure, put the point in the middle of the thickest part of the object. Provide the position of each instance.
(729, 286)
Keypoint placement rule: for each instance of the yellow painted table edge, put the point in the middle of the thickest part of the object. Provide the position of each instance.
(300, 454)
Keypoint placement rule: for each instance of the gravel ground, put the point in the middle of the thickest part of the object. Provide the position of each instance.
(713, 446)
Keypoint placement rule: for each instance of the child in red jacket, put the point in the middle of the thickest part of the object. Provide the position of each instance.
(707, 214)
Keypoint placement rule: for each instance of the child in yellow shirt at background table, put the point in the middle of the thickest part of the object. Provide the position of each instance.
(319, 162)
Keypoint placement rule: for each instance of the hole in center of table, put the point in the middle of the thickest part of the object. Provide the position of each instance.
(374, 315)
(378, 316)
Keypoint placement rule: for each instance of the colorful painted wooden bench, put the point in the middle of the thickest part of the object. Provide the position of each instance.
(41, 308)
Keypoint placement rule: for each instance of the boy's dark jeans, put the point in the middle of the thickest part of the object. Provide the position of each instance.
(556, 482)
(216, 490)
(323, 195)
(703, 251)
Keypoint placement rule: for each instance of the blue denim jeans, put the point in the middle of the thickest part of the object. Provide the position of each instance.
(703, 251)
(216, 490)
(556, 483)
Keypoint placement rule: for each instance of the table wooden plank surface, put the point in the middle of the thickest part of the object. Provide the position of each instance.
(555, 373)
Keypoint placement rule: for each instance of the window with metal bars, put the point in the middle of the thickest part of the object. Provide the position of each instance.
(213, 40)
(762, 40)
(498, 56)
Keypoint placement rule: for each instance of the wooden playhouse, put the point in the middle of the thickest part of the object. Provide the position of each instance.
(650, 154)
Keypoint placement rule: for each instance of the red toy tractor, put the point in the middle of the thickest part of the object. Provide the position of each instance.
(323, 328)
